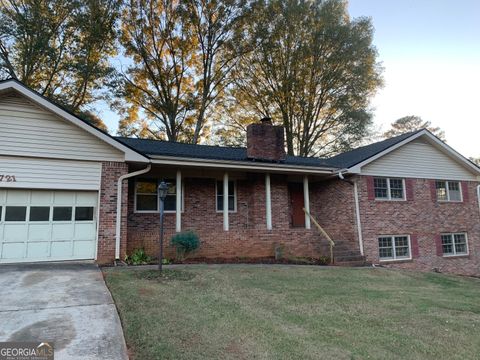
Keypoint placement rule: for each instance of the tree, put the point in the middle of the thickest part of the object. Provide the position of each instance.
(218, 27)
(412, 123)
(183, 53)
(158, 84)
(59, 48)
(313, 70)
(475, 160)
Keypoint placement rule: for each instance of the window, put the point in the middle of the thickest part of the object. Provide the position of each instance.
(448, 190)
(39, 213)
(394, 247)
(84, 213)
(232, 196)
(454, 244)
(15, 213)
(147, 196)
(389, 189)
(62, 213)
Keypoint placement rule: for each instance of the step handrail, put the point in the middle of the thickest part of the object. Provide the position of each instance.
(323, 232)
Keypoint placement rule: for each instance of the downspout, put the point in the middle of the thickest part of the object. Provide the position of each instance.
(478, 196)
(118, 223)
(357, 209)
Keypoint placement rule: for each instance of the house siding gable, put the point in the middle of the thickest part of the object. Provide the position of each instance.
(29, 130)
(418, 159)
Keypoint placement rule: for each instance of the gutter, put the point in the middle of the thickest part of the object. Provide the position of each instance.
(478, 196)
(118, 222)
(241, 165)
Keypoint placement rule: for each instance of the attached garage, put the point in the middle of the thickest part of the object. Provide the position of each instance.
(58, 179)
(38, 225)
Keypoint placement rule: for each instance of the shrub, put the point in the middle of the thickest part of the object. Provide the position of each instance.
(185, 243)
(138, 257)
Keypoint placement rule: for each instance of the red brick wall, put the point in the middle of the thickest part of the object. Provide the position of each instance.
(332, 203)
(247, 237)
(426, 218)
(111, 171)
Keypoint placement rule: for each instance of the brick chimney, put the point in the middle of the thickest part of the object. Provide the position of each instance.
(265, 141)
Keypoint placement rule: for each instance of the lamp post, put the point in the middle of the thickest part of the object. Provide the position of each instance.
(162, 194)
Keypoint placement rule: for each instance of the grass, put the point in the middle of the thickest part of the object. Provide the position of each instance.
(296, 312)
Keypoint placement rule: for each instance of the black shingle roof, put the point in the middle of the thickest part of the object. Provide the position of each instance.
(356, 156)
(345, 160)
(167, 148)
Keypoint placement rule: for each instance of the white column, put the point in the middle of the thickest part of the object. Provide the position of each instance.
(178, 212)
(225, 202)
(268, 202)
(306, 201)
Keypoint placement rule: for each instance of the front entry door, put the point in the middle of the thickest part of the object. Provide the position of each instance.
(296, 205)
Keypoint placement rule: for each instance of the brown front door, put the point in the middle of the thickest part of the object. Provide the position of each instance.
(296, 205)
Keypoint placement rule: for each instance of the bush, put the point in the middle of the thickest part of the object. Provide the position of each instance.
(138, 257)
(185, 243)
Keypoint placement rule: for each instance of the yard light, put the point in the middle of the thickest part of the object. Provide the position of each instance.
(162, 194)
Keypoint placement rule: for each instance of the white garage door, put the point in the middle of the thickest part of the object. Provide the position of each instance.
(37, 225)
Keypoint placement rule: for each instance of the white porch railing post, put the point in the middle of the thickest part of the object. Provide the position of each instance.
(306, 201)
(268, 202)
(178, 212)
(225, 202)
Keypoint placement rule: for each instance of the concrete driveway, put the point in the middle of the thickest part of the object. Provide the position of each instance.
(65, 303)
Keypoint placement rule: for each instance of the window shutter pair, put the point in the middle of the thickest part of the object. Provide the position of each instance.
(415, 248)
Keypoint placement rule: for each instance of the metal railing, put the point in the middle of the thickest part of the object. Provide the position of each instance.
(324, 233)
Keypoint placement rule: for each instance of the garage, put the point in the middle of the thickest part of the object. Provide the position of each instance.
(58, 182)
(39, 225)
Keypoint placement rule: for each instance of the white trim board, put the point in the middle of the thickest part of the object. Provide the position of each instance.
(240, 165)
(130, 155)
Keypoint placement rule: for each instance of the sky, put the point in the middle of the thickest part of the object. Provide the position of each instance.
(430, 52)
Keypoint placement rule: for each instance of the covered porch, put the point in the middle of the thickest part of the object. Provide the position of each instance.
(262, 212)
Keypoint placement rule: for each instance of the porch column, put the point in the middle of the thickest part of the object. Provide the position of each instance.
(268, 202)
(306, 201)
(225, 201)
(178, 212)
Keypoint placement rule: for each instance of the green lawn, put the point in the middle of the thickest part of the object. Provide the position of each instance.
(296, 312)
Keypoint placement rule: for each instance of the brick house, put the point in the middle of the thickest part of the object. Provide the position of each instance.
(69, 191)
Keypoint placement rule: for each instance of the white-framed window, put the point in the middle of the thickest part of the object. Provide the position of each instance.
(394, 247)
(455, 244)
(232, 196)
(448, 190)
(389, 188)
(146, 196)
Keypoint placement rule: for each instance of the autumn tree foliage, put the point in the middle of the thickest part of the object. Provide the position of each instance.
(314, 71)
(183, 53)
